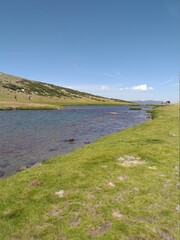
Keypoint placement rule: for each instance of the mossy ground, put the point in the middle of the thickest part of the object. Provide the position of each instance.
(102, 199)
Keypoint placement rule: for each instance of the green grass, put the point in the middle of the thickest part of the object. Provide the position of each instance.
(102, 200)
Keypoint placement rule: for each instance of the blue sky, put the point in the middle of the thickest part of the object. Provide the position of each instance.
(125, 49)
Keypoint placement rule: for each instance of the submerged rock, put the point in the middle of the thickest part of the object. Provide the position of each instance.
(1, 174)
(53, 149)
(135, 108)
(22, 168)
(71, 140)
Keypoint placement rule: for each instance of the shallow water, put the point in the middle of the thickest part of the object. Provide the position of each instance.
(27, 137)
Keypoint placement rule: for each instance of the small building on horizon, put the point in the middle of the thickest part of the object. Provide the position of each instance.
(167, 102)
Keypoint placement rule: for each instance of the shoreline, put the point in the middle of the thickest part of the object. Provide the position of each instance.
(51, 107)
(58, 106)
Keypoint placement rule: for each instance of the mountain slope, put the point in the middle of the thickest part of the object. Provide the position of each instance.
(17, 92)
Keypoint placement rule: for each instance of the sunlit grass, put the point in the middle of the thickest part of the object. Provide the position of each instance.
(102, 199)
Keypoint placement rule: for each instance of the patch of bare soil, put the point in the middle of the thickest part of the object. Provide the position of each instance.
(75, 221)
(136, 238)
(55, 211)
(101, 229)
(164, 235)
(111, 185)
(122, 178)
(117, 214)
(118, 198)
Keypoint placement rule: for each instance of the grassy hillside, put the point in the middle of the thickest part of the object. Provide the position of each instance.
(16, 92)
(123, 186)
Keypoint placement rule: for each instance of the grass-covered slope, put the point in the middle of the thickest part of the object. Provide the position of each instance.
(20, 93)
(123, 186)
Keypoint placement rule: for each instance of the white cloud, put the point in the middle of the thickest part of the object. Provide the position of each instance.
(104, 88)
(142, 87)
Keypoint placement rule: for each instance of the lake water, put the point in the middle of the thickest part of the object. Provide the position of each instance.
(27, 137)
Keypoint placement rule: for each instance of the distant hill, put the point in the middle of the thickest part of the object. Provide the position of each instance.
(151, 102)
(17, 92)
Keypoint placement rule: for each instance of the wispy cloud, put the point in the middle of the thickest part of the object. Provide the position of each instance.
(174, 9)
(167, 82)
(90, 87)
(170, 82)
(104, 88)
(111, 75)
(82, 87)
(176, 85)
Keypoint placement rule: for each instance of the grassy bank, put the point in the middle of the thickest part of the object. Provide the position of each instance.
(44, 104)
(123, 186)
(53, 105)
(24, 106)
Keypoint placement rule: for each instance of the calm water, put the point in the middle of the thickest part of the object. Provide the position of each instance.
(27, 137)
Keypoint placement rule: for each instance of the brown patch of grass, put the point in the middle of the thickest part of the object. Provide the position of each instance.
(101, 229)
(164, 235)
(35, 182)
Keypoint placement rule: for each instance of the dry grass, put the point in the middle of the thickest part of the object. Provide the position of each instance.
(16, 92)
